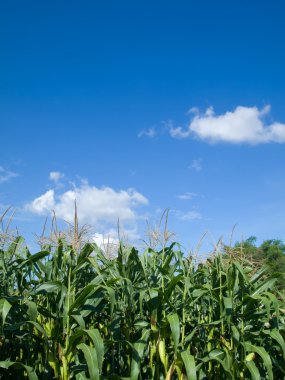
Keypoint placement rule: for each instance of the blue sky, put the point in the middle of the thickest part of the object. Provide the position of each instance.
(137, 106)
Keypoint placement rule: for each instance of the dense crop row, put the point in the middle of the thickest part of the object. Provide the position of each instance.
(75, 314)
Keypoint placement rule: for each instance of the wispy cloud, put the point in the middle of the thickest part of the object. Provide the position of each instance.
(196, 164)
(161, 128)
(150, 132)
(55, 176)
(189, 215)
(6, 175)
(243, 125)
(187, 196)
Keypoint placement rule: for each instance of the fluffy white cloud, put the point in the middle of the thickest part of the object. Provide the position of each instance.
(243, 125)
(95, 205)
(6, 175)
(107, 240)
(55, 176)
(43, 203)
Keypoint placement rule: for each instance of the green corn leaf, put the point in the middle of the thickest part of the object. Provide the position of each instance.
(74, 340)
(5, 307)
(173, 320)
(79, 267)
(93, 261)
(16, 246)
(137, 354)
(235, 333)
(172, 284)
(30, 371)
(268, 284)
(275, 334)
(86, 292)
(243, 276)
(258, 275)
(228, 303)
(45, 269)
(223, 358)
(273, 302)
(112, 299)
(49, 287)
(255, 375)
(97, 340)
(90, 355)
(263, 354)
(85, 252)
(81, 376)
(141, 324)
(37, 326)
(217, 354)
(32, 310)
(189, 363)
(34, 258)
(191, 335)
(79, 319)
(197, 294)
(169, 257)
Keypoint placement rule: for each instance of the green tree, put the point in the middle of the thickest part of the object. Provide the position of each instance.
(270, 252)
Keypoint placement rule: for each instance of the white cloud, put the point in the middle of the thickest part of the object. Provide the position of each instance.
(151, 132)
(95, 205)
(43, 203)
(105, 240)
(55, 176)
(190, 215)
(6, 175)
(187, 196)
(109, 243)
(243, 125)
(196, 165)
(111, 237)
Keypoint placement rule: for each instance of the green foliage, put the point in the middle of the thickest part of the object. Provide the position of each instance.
(76, 314)
(270, 253)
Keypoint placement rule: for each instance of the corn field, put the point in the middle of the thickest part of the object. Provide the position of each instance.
(70, 313)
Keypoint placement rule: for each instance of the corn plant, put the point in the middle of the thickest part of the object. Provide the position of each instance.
(73, 313)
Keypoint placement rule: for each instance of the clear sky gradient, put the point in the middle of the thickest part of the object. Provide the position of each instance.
(98, 93)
